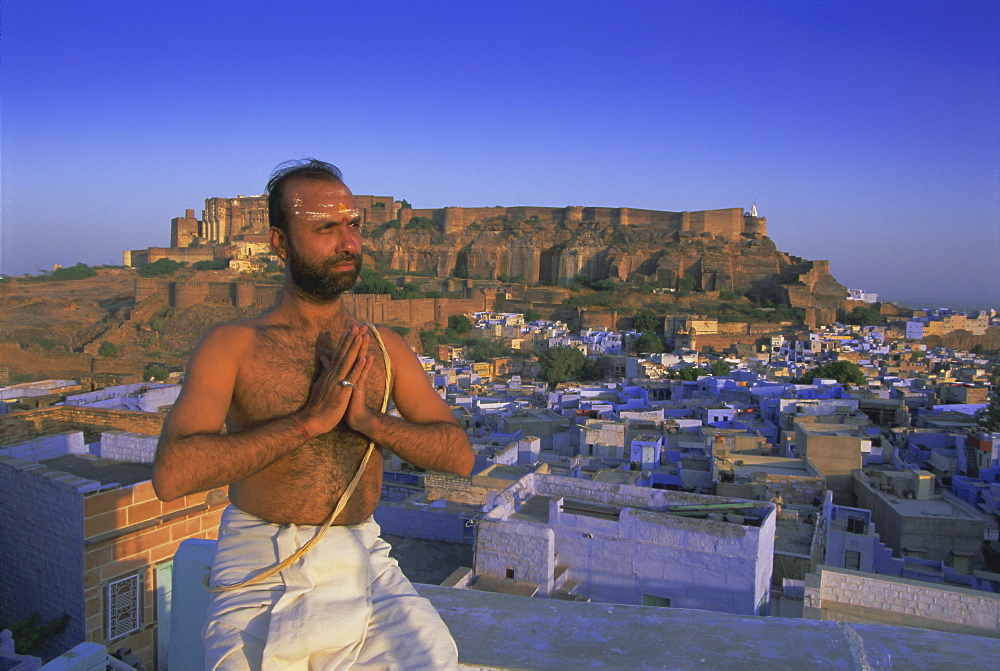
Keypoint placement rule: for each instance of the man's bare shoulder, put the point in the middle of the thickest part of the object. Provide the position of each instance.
(229, 335)
(394, 343)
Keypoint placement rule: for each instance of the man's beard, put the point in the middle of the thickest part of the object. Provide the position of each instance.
(319, 283)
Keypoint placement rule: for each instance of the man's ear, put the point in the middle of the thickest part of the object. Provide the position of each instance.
(279, 242)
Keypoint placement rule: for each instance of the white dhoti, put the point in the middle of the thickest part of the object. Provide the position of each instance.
(344, 604)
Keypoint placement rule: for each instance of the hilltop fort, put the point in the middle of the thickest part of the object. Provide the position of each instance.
(711, 250)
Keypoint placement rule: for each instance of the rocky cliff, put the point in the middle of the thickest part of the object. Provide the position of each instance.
(551, 247)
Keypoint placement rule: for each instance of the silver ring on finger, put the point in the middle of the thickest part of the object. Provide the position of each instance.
(346, 383)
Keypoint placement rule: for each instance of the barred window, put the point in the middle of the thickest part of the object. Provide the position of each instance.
(123, 605)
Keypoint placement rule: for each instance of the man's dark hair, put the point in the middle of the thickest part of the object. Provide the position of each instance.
(307, 168)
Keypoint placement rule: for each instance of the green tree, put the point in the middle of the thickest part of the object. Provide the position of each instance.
(645, 320)
(79, 271)
(685, 285)
(989, 417)
(864, 316)
(720, 368)
(460, 323)
(155, 371)
(421, 224)
(214, 264)
(595, 369)
(688, 374)
(532, 315)
(483, 349)
(405, 204)
(409, 290)
(401, 330)
(559, 364)
(649, 342)
(430, 342)
(510, 279)
(108, 348)
(451, 337)
(844, 372)
(160, 268)
(372, 282)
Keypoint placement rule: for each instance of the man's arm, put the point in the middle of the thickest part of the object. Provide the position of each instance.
(428, 436)
(192, 456)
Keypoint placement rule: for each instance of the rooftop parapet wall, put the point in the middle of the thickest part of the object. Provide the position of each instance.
(21, 426)
(890, 600)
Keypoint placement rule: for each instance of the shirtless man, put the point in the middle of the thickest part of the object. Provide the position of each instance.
(299, 390)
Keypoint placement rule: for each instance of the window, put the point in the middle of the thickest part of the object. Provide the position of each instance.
(962, 563)
(852, 560)
(510, 573)
(123, 606)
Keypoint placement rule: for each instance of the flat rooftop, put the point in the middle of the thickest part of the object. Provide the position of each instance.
(502, 472)
(536, 509)
(936, 507)
(103, 471)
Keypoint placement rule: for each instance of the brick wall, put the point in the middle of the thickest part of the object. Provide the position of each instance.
(128, 531)
(955, 605)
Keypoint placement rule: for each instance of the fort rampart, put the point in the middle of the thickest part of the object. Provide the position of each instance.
(374, 308)
(728, 222)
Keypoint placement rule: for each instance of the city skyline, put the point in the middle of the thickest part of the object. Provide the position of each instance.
(867, 136)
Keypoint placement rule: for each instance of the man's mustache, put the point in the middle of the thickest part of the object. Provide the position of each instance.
(347, 257)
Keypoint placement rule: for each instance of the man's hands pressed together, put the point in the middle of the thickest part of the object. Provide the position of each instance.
(329, 400)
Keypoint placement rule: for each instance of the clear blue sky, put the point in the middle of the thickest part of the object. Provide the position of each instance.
(867, 132)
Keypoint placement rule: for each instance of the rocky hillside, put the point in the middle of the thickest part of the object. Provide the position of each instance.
(555, 252)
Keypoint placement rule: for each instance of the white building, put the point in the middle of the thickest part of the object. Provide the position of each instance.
(629, 545)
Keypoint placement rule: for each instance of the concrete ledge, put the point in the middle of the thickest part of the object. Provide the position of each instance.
(497, 631)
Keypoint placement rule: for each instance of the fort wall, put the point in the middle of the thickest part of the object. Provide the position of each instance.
(727, 222)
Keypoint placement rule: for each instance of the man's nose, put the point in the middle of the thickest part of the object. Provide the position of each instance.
(349, 241)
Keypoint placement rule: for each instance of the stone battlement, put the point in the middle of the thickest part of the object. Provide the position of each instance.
(728, 222)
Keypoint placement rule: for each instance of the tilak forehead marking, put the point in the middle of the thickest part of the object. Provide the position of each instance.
(322, 209)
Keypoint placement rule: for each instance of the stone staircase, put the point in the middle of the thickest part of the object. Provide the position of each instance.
(971, 461)
(564, 588)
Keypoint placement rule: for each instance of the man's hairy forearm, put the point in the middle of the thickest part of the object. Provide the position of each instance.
(438, 446)
(196, 463)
